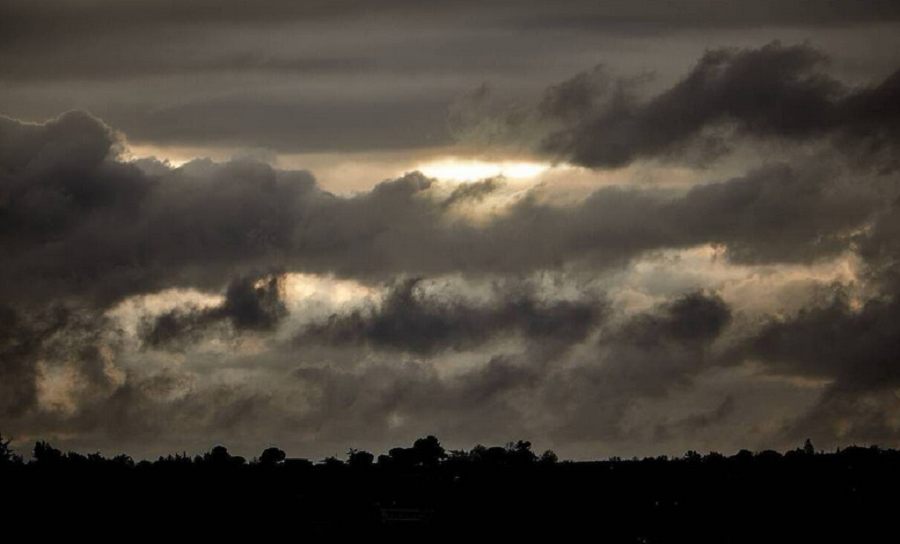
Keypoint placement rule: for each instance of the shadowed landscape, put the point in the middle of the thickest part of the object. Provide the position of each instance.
(427, 491)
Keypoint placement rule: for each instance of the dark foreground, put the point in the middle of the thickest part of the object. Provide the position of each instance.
(427, 493)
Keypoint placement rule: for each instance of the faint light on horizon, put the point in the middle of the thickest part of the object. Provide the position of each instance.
(472, 170)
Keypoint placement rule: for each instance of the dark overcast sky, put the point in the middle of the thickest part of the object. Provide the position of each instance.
(611, 228)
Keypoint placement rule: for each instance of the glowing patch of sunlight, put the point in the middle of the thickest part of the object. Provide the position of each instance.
(334, 291)
(470, 170)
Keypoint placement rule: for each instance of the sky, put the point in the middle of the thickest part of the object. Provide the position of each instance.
(610, 228)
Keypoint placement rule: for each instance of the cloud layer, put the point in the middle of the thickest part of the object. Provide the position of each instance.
(483, 311)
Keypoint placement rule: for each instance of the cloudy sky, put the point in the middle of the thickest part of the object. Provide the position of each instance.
(609, 227)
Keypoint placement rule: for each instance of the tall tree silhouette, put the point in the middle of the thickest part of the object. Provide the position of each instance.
(7, 455)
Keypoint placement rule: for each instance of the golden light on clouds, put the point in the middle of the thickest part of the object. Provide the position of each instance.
(461, 170)
(335, 292)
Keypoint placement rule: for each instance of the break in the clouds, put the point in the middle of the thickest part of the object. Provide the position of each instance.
(726, 280)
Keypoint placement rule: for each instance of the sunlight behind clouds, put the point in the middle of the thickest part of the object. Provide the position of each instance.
(462, 170)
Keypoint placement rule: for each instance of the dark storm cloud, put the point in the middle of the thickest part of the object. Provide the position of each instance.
(512, 393)
(647, 357)
(842, 417)
(530, 392)
(775, 92)
(411, 320)
(853, 351)
(203, 73)
(852, 347)
(849, 345)
(77, 214)
(153, 414)
(79, 224)
(549, 389)
(693, 320)
(731, 98)
(249, 305)
(82, 230)
(54, 335)
(780, 213)
(144, 407)
(473, 192)
(97, 400)
(658, 350)
(479, 402)
(18, 349)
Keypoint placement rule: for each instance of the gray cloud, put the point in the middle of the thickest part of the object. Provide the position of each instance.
(853, 351)
(23, 17)
(82, 225)
(692, 424)
(366, 76)
(649, 356)
(295, 124)
(473, 192)
(835, 342)
(52, 336)
(413, 321)
(847, 344)
(82, 230)
(247, 307)
(775, 93)
(552, 389)
(315, 406)
(658, 350)
(772, 91)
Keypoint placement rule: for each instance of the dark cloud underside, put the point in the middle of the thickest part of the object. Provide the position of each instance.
(78, 216)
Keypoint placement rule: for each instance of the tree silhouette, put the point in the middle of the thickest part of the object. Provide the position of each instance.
(6, 453)
(46, 454)
(272, 456)
(519, 453)
(695, 498)
(428, 451)
(219, 457)
(808, 448)
(549, 458)
(359, 459)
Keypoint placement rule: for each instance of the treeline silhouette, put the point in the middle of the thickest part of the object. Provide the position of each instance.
(427, 491)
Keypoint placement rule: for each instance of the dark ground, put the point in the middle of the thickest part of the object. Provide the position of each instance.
(426, 493)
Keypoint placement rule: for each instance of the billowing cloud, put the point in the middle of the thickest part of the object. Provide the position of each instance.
(84, 224)
(249, 305)
(776, 92)
(155, 306)
(419, 323)
(847, 343)
(32, 343)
